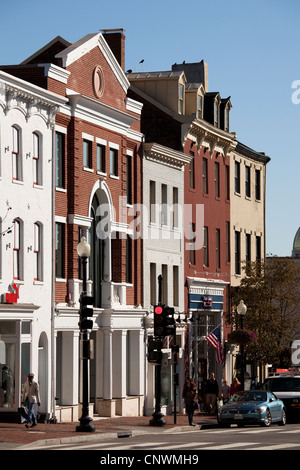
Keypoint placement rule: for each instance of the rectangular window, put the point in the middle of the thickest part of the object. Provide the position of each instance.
(152, 202)
(205, 247)
(101, 158)
(164, 204)
(37, 253)
(153, 283)
(181, 97)
(257, 185)
(216, 113)
(113, 156)
(218, 254)
(237, 235)
(36, 157)
(59, 250)
(87, 154)
(204, 176)
(199, 106)
(227, 182)
(129, 259)
(17, 250)
(60, 160)
(248, 247)
(175, 207)
(175, 286)
(258, 248)
(164, 272)
(237, 178)
(248, 181)
(129, 179)
(227, 241)
(16, 158)
(192, 171)
(217, 179)
(192, 235)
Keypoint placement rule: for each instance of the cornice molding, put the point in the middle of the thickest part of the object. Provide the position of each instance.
(166, 155)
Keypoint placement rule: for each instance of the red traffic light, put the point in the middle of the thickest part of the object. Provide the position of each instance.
(158, 309)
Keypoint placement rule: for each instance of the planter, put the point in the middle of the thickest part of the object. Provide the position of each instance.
(240, 336)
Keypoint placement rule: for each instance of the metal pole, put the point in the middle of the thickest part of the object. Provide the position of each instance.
(242, 358)
(157, 417)
(85, 420)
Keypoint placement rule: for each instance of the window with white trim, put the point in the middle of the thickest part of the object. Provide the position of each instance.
(16, 155)
(17, 249)
(36, 159)
(37, 250)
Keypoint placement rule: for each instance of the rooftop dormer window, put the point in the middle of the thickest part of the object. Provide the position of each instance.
(181, 97)
(226, 119)
(199, 106)
(216, 113)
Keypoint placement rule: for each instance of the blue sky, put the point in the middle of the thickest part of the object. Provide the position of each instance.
(252, 49)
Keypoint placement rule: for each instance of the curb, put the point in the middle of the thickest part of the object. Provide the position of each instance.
(98, 435)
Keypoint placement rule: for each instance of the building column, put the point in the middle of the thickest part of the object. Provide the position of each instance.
(69, 367)
(107, 364)
(136, 362)
(120, 363)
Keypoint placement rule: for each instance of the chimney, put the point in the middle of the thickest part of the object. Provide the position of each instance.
(115, 38)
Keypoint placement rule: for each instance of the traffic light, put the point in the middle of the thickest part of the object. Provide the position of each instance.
(154, 351)
(159, 320)
(169, 322)
(85, 311)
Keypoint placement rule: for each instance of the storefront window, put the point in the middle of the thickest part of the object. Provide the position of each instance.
(7, 373)
(25, 362)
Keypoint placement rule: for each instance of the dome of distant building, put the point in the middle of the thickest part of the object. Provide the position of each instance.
(296, 245)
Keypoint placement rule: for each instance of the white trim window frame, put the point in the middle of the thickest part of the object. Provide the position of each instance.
(36, 159)
(17, 250)
(16, 157)
(37, 250)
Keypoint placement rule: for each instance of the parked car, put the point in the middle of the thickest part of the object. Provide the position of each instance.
(287, 388)
(252, 407)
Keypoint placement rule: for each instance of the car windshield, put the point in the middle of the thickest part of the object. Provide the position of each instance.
(249, 396)
(282, 384)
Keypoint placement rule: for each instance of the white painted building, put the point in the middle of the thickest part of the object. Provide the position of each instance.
(27, 116)
(163, 254)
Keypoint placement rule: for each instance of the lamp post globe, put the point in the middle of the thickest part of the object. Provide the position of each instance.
(241, 308)
(83, 248)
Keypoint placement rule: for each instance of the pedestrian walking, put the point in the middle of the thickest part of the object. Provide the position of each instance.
(225, 392)
(31, 393)
(189, 394)
(235, 386)
(212, 392)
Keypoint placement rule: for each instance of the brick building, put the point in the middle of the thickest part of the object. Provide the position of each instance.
(97, 187)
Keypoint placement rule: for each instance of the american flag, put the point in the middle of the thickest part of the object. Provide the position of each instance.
(214, 338)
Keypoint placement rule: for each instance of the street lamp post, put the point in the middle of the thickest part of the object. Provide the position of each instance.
(83, 250)
(242, 310)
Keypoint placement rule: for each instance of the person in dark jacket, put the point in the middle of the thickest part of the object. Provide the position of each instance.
(212, 392)
(189, 394)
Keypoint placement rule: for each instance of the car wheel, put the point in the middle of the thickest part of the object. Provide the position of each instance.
(283, 419)
(268, 419)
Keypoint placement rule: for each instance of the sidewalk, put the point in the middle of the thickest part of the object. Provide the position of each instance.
(44, 434)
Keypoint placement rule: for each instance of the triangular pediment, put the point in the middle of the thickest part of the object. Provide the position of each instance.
(86, 46)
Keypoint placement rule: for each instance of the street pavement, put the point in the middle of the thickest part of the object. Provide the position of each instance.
(17, 436)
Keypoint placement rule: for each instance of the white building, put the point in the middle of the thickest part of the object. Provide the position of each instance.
(27, 116)
(163, 255)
